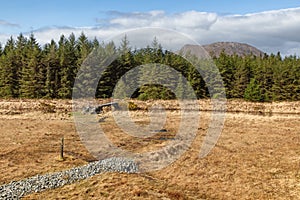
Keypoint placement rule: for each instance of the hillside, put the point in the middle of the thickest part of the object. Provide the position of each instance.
(230, 48)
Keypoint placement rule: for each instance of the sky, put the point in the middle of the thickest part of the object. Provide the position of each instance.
(270, 25)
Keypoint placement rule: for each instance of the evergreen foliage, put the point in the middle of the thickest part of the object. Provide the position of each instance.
(28, 70)
(253, 92)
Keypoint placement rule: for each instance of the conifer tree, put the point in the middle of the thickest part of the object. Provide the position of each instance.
(84, 48)
(242, 76)
(9, 72)
(51, 63)
(107, 61)
(227, 70)
(33, 73)
(253, 91)
(68, 65)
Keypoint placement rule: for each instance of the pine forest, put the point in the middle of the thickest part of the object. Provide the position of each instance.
(29, 70)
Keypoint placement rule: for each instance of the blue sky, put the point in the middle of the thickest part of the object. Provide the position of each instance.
(47, 19)
(35, 14)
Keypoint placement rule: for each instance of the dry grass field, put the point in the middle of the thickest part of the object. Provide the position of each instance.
(257, 155)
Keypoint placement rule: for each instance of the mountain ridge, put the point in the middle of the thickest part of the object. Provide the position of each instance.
(230, 48)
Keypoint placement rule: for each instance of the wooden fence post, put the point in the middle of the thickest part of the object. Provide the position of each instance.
(61, 157)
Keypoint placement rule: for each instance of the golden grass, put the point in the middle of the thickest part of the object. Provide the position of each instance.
(256, 157)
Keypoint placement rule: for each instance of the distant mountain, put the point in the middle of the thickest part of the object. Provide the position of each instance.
(230, 48)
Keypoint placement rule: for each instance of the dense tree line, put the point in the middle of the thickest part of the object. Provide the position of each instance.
(29, 70)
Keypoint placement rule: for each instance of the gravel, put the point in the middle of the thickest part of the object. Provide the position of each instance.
(38, 183)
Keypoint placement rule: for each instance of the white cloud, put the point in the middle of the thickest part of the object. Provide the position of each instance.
(270, 31)
(187, 20)
(9, 24)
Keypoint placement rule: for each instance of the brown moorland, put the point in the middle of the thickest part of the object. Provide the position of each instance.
(257, 155)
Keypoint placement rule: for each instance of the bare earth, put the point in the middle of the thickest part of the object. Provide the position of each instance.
(257, 155)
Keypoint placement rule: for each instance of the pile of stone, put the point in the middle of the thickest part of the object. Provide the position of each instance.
(38, 183)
